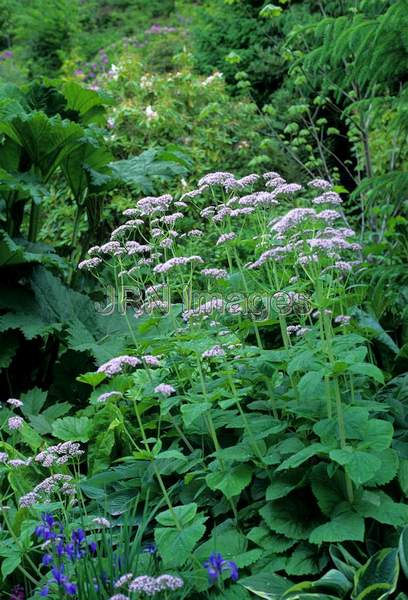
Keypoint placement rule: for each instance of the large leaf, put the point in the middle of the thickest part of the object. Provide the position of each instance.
(230, 482)
(344, 527)
(377, 579)
(77, 429)
(175, 546)
(266, 585)
(45, 140)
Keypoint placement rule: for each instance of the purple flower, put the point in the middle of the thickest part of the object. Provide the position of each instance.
(165, 389)
(47, 559)
(15, 402)
(216, 565)
(15, 423)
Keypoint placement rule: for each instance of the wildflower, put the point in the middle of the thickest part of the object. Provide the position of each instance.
(321, 184)
(270, 175)
(165, 389)
(248, 180)
(107, 395)
(293, 329)
(90, 263)
(342, 320)
(293, 218)
(171, 219)
(131, 212)
(123, 580)
(215, 273)
(144, 584)
(288, 188)
(169, 582)
(17, 593)
(102, 522)
(151, 361)
(214, 352)
(3, 457)
(342, 265)
(166, 243)
(14, 402)
(329, 215)
(15, 423)
(119, 597)
(302, 330)
(216, 565)
(28, 500)
(116, 365)
(195, 233)
(150, 113)
(176, 261)
(225, 237)
(114, 248)
(136, 248)
(275, 182)
(218, 178)
(327, 198)
(18, 462)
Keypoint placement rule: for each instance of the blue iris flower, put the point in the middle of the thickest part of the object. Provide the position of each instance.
(216, 565)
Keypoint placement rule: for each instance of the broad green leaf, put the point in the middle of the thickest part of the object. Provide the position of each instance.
(176, 546)
(377, 579)
(304, 560)
(369, 370)
(333, 582)
(191, 412)
(92, 379)
(360, 466)
(403, 551)
(33, 401)
(282, 484)
(230, 482)
(378, 435)
(344, 527)
(379, 506)
(300, 457)
(182, 514)
(290, 517)
(10, 564)
(77, 429)
(266, 585)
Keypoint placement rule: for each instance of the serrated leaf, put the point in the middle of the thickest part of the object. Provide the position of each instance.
(344, 527)
(360, 466)
(230, 482)
(77, 429)
(174, 546)
(183, 514)
(300, 457)
(380, 507)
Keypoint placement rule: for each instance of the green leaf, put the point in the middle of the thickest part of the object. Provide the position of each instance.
(92, 379)
(344, 527)
(377, 579)
(191, 412)
(230, 482)
(33, 401)
(174, 546)
(266, 585)
(9, 343)
(290, 517)
(76, 429)
(379, 506)
(304, 560)
(300, 457)
(378, 435)
(282, 484)
(270, 10)
(333, 582)
(403, 551)
(183, 514)
(10, 564)
(360, 466)
(367, 369)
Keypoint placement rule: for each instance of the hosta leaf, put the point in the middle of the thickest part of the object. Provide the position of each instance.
(77, 429)
(266, 585)
(344, 527)
(403, 551)
(230, 482)
(333, 582)
(377, 579)
(174, 546)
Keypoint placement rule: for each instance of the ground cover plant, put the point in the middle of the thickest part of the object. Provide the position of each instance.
(203, 357)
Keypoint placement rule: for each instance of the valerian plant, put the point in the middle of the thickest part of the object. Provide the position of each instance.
(284, 439)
